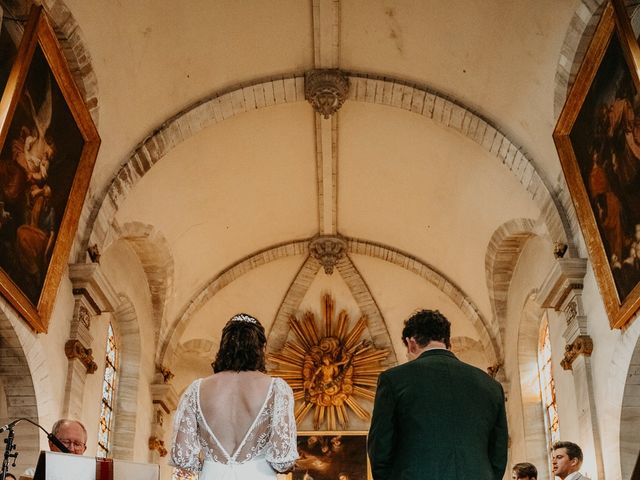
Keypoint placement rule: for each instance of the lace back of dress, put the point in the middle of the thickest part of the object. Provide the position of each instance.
(253, 443)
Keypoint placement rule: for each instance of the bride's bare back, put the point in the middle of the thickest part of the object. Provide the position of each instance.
(230, 403)
(237, 423)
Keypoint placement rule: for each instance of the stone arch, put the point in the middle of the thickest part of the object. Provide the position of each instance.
(156, 259)
(629, 446)
(489, 342)
(204, 348)
(125, 324)
(358, 288)
(502, 255)
(464, 347)
(291, 302)
(290, 89)
(535, 444)
(169, 341)
(574, 47)
(462, 344)
(18, 390)
(74, 49)
(301, 247)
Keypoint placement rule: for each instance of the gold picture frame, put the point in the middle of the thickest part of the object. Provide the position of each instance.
(332, 455)
(596, 141)
(48, 148)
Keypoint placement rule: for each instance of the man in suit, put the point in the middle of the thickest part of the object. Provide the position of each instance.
(566, 460)
(436, 417)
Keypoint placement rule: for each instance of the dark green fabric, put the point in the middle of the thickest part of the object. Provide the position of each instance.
(438, 418)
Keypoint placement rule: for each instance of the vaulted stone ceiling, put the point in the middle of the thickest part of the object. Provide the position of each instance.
(215, 171)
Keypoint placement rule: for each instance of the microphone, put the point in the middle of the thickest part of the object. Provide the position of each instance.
(56, 441)
(50, 436)
(9, 426)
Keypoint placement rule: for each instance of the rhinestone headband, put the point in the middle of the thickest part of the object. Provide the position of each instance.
(243, 317)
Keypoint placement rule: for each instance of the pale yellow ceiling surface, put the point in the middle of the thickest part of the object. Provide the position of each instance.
(259, 293)
(399, 293)
(153, 58)
(252, 181)
(235, 188)
(427, 190)
(498, 57)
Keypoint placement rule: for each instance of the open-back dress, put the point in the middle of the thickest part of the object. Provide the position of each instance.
(269, 445)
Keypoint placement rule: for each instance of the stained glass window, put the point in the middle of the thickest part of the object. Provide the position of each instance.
(547, 385)
(108, 389)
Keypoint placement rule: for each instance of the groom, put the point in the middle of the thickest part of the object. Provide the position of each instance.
(436, 417)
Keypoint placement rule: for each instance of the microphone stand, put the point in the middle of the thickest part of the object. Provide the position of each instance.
(9, 446)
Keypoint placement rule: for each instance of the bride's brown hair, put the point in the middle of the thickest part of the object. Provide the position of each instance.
(241, 346)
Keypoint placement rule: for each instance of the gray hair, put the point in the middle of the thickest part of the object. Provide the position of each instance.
(61, 423)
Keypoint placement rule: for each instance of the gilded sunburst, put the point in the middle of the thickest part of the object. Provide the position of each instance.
(329, 366)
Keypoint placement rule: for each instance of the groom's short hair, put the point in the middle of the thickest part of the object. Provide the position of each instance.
(572, 449)
(425, 326)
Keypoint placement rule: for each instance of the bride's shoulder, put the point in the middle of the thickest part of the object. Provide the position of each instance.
(193, 385)
(281, 385)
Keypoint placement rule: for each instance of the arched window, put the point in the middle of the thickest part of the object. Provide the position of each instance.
(547, 385)
(108, 387)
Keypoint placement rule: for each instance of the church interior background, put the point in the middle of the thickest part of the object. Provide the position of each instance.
(353, 159)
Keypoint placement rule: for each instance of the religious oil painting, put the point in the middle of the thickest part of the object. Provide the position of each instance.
(332, 456)
(48, 145)
(598, 141)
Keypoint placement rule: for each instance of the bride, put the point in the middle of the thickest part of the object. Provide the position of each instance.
(238, 423)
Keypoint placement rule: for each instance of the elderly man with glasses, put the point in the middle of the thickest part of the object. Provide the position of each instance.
(71, 434)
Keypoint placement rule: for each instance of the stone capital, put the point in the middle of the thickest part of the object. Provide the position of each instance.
(165, 396)
(90, 283)
(566, 276)
(582, 345)
(74, 349)
(157, 444)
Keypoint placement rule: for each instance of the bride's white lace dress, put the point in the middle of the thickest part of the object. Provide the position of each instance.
(269, 446)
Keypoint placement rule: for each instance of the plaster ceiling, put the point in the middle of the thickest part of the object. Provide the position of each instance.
(251, 182)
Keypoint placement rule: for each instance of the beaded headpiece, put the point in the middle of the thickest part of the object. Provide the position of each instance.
(243, 317)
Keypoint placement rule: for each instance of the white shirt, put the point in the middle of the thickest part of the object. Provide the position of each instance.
(573, 475)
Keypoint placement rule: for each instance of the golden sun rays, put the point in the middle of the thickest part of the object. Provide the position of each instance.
(329, 366)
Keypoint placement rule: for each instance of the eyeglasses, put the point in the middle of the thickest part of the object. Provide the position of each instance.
(73, 445)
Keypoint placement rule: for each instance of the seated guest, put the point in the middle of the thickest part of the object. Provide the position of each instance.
(524, 471)
(566, 460)
(71, 434)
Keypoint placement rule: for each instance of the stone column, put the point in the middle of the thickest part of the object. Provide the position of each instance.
(93, 296)
(165, 401)
(562, 291)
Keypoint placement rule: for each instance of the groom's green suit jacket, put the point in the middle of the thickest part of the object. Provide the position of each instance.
(438, 418)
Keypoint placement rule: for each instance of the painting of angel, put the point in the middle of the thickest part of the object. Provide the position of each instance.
(48, 145)
(36, 170)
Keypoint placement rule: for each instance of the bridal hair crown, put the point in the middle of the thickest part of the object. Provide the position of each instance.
(243, 317)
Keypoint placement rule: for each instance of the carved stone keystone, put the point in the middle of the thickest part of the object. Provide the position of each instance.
(328, 249)
(326, 90)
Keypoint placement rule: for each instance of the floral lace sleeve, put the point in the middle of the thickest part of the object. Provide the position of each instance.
(282, 451)
(185, 446)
